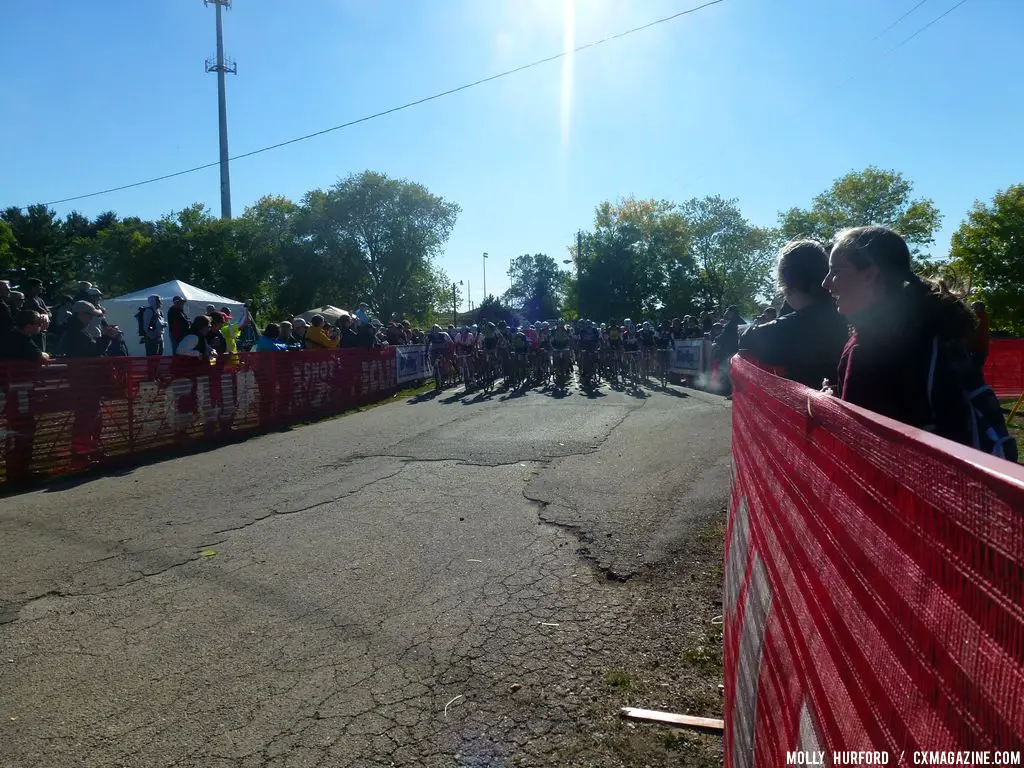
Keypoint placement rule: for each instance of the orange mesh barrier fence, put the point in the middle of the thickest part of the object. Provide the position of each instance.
(874, 585)
(1004, 367)
(60, 416)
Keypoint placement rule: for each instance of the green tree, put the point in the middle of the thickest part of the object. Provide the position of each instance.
(39, 248)
(394, 229)
(734, 259)
(871, 196)
(989, 249)
(7, 244)
(537, 287)
(636, 261)
(492, 310)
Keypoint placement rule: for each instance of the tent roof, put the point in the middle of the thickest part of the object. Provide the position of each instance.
(172, 288)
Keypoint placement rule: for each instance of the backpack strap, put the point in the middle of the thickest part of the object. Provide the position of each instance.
(930, 386)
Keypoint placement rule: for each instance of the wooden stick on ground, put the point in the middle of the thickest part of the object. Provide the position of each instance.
(705, 724)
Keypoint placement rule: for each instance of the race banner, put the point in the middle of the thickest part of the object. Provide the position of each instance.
(411, 363)
(689, 357)
(874, 588)
(57, 416)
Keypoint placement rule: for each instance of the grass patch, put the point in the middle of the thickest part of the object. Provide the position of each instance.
(616, 678)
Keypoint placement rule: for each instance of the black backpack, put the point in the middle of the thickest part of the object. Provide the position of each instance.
(985, 429)
(140, 316)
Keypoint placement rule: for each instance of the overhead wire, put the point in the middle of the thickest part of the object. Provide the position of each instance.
(931, 23)
(901, 18)
(392, 110)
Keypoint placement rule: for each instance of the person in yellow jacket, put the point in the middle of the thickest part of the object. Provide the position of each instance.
(316, 336)
(231, 333)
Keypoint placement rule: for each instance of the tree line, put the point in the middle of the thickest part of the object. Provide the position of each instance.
(377, 239)
(658, 258)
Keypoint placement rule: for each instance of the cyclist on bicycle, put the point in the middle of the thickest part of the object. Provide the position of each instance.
(531, 335)
(519, 342)
(544, 337)
(589, 338)
(630, 342)
(505, 332)
(664, 337)
(646, 336)
(663, 341)
(489, 337)
(438, 344)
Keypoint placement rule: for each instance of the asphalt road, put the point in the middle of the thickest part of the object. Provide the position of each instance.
(455, 581)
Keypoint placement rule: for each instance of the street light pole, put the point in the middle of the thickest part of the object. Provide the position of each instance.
(485, 275)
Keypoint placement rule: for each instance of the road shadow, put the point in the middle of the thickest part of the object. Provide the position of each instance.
(672, 392)
(424, 397)
(557, 394)
(514, 394)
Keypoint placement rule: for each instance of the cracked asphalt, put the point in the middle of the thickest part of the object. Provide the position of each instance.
(442, 582)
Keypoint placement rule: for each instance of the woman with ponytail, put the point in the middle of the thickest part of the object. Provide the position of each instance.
(806, 341)
(908, 356)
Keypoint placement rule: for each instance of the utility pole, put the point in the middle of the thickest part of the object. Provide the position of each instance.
(221, 67)
(485, 275)
(455, 311)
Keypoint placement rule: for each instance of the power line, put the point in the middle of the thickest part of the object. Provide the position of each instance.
(857, 76)
(407, 105)
(926, 26)
(901, 18)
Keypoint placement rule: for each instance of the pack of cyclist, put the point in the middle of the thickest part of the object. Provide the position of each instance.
(542, 354)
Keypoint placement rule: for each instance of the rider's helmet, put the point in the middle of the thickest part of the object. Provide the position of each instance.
(647, 325)
(490, 326)
(503, 324)
(436, 329)
(474, 328)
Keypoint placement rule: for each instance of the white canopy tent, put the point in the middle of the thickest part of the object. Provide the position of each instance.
(121, 310)
(330, 313)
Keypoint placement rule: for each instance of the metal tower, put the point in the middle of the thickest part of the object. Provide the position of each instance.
(222, 66)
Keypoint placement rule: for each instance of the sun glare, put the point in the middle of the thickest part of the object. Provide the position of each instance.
(568, 63)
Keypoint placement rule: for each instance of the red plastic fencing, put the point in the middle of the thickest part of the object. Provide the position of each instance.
(874, 588)
(54, 416)
(1004, 367)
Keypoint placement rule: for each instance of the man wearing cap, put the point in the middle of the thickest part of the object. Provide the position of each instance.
(299, 329)
(34, 301)
(94, 295)
(76, 341)
(178, 322)
(19, 342)
(17, 345)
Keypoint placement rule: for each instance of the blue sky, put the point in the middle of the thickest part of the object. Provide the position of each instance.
(760, 100)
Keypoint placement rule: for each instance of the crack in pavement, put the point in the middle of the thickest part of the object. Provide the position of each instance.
(338, 637)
